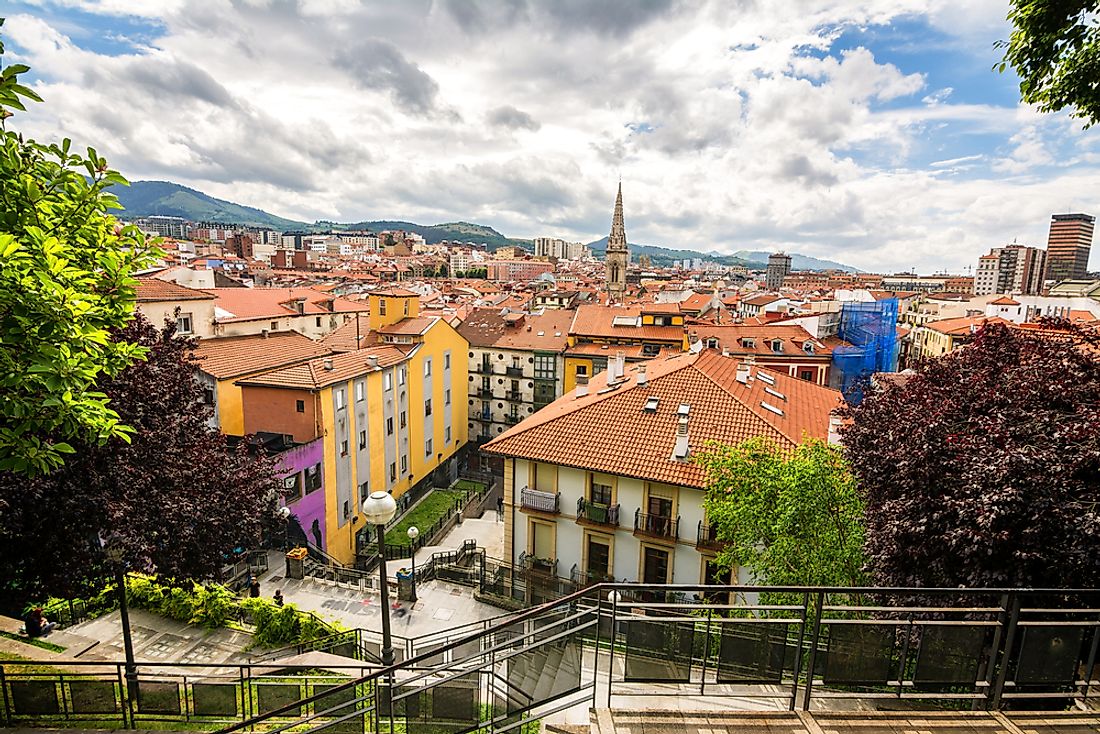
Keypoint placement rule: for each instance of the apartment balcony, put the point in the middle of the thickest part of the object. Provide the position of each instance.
(485, 394)
(483, 415)
(512, 418)
(538, 501)
(542, 566)
(658, 527)
(514, 396)
(513, 371)
(706, 537)
(589, 578)
(593, 513)
(485, 368)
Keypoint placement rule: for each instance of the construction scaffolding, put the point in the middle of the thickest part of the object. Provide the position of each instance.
(870, 329)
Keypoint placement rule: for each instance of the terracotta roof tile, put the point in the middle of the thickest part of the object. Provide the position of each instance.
(154, 289)
(486, 327)
(1004, 301)
(609, 430)
(353, 334)
(313, 375)
(409, 326)
(793, 337)
(962, 325)
(243, 304)
(233, 356)
(599, 321)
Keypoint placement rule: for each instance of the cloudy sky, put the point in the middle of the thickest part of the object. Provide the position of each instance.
(873, 133)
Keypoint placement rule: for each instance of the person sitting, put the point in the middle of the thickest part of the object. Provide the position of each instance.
(278, 598)
(37, 625)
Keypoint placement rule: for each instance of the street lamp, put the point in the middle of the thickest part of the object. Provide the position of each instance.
(413, 534)
(379, 509)
(114, 552)
(284, 513)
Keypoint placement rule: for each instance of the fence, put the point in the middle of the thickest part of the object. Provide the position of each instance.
(801, 648)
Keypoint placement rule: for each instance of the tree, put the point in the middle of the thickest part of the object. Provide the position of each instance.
(791, 517)
(177, 499)
(1055, 49)
(65, 267)
(983, 469)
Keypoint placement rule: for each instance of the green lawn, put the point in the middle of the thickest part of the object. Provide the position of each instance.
(37, 642)
(469, 485)
(435, 506)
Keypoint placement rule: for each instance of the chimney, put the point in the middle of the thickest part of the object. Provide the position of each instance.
(582, 385)
(744, 372)
(372, 361)
(834, 428)
(725, 351)
(620, 365)
(328, 363)
(680, 449)
(263, 333)
(643, 379)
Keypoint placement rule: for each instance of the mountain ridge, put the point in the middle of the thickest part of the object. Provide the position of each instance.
(165, 198)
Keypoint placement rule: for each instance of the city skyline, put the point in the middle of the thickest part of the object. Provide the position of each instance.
(876, 136)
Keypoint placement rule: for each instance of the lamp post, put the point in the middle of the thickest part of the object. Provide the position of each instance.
(379, 509)
(114, 552)
(284, 513)
(413, 534)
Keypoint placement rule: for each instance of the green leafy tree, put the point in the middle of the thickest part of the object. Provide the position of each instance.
(65, 267)
(1055, 49)
(791, 517)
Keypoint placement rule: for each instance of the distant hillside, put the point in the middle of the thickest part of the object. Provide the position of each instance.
(151, 198)
(436, 233)
(798, 262)
(753, 259)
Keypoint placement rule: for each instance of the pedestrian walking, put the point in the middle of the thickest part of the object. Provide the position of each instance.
(254, 587)
(500, 508)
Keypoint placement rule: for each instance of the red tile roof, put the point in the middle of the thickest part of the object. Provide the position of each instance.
(150, 290)
(233, 356)
(486, 327)
(792, 336)
(313, 375)
(244, 304)
(609, 430)
(599, 321)
(1004, 301)
(409, 326)
(962, 325)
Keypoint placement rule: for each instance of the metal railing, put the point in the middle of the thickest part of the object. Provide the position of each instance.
(795, 647)
(485, 393)
(706, 536)
(512, 418)
(596, 513)
(535, 499)
(531, 562)
(656, 526)
(514, 395)
(513, 371)
(583, 578)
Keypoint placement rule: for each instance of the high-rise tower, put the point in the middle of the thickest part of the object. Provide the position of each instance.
(1068, 246)
(617, 253)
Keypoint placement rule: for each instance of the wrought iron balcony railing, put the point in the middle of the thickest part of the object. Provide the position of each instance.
(512, 418)
(656, 526)
(707, 537)
(514, 371)
(539, 501)
(514, 395)
(596, 513)
(583, 578)
(485, 393)
(531, 562)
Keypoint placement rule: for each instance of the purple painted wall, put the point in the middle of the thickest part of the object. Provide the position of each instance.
(311, 507)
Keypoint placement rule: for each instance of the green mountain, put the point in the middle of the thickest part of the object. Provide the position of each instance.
(151, 198)
(752, 259)
(435, 233)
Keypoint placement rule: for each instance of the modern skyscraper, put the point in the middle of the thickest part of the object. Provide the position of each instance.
(617, 253)
(1014, 269)
(1068, 246)
(779, 266)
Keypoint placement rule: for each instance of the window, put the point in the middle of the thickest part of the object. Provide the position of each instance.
(777, 346)
(344, 447)
(712, 343)
(300, 406)
(404, 422)
(807, 375)
(428, 447)
(400, 375)
(447, 396)
(364, 491)
(341, 396)
(347, 509)
(183, 323)
(360, 391)
(447, 434)
(600, 493)
(208, 396)
(651, 350)
(292, 486)
(582, 370)
(389, 426)
(428, 407)
(313, 478)
(404, 464)
(748, 343)
(362, 439)
(545, 367)
(387, 381)
(427, 368)
(405, 301)
(274, 325)
(393, 472)
(318, 322)
(381, 306)
(447, 361)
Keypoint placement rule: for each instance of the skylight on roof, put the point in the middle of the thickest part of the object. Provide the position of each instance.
(765, 378)
(684, 409)
(651, 405)
(772, 408)
(624, 321)
(775, 393)
(541, 333)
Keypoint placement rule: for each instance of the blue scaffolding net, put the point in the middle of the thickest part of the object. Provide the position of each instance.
(871, 330)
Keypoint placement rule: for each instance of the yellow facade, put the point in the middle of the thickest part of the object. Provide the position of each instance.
(389, 307)
(439, 339)
(230, 408)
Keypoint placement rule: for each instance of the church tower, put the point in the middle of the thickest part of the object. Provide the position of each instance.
(617, 253)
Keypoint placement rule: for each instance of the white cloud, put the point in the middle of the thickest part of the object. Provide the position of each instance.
(733, 125)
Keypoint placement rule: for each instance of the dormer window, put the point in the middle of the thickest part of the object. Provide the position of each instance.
(808, 347)
(748, 343)
(777, 346)
(712, 343)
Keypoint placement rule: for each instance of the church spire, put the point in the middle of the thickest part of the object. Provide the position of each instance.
(616, 241)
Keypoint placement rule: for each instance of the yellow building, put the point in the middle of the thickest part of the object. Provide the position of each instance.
(599, 333)
(937, 338)
(392, 413)
(222, 361)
